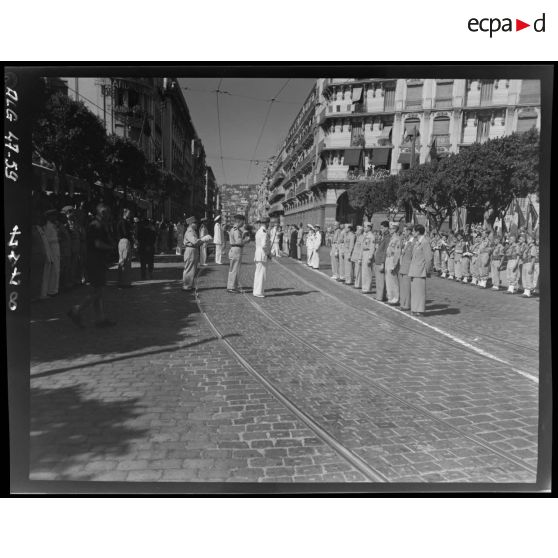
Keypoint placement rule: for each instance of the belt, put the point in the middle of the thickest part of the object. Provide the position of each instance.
(190, 246)
(236, 245)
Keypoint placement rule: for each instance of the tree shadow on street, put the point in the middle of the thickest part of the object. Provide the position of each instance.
(69, 432)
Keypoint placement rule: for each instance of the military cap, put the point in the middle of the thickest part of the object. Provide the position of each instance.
(317, 226)
(191, 220)
(67, 209)
(218, 218)
(367, 224)
(239, 217)
(310, 226)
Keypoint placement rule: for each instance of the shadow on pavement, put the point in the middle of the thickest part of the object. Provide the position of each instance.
(60, 418)
(291, 293)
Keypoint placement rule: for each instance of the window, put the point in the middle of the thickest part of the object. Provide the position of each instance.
(389, 99)
(414, 96)
(338, 107)
(487, 88)
(444, 92)
(412, 124)
(527, 120)
(440, 131)
(483, 129)
(530, 91)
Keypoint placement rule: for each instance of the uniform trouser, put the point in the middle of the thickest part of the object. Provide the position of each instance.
(234, 272)
(334, 262)
(298, 252)
(475, 272)
(203, 254)
(259, 278)
(315, 261)
(309, 254)
(124, 261)
(54, 275)
(191, 259)
(366, 272)
(437, 260)
(466, 266)
(444, 262)
(349, 271)
(495, 272)
(392, 285)
(218, 253)
(527, 279)
(451, 265)
(483, 264)
(341, 265)
(513, 274)
(536, 276)
(458, 266)
(380, 282)
(358, 274)
(418, 294)
(404, 291)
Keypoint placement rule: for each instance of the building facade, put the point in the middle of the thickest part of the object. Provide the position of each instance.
(153, 113)
(237, 198)
(350, 129)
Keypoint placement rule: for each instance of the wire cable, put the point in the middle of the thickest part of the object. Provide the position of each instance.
(219, 129)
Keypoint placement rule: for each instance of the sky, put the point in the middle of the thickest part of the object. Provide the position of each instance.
(242, 121)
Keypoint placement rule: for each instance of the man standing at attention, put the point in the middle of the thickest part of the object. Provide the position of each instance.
(393, 253)
(218, 240)
(203, 247)
(315, 261)
(334, 253)
(422, 256)
(238, 237)
(380, 261)
(191, 254)
(261, 257)
(299, 240)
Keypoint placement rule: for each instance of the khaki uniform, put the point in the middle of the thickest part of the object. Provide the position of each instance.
(191, 257)
(367, 260)
(379, 267)
(513, 253)
(528, 267)
(235, 256)
(356, 258)
(483, 263)
(393, 253)
(405, 258)
(466, 262)
(342, 255)
(458, 258)
(334, 254)
(496, 264)
(348, 246)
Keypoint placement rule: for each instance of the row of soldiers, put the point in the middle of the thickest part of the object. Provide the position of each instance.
(482, 257)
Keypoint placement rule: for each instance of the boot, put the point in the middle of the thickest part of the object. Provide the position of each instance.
(474, 281)
(527, 293)
(495, 288)
(444, 275)
(451, 277)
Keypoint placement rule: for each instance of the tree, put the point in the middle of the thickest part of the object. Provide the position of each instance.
(125, 164)
(71, 137)
(374, 196)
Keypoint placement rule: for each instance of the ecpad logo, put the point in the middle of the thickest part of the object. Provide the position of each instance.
(494, 24)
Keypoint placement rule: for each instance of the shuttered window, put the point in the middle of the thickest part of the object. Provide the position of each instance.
(410, 124)
(487, 88)
(444, 92)
(530, 91)
(527, 120)
(414, 96)
(441, 126)
(389, 99)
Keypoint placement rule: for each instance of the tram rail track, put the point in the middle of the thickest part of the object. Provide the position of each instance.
(355, 460)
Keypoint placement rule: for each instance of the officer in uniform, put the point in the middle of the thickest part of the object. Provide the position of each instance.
(261, 257)
(528, 267)
(203, 246)
(458, 256)
(334, 252)
(422, 255)
(483, 262)
(316, 245)
(191, 254)
(349, 244)
(444, 255)
(310, 244)
(356, 256)
(380, 261)
(450, 250)
(393, 252)
(405, 258)
(436, 246)
(496, 261)
(466, 259)
(475, 251)
(238, 237)
(367, 258)
(512, 254)
(342, 252)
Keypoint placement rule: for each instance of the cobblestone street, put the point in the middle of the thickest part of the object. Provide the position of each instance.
(314, 383)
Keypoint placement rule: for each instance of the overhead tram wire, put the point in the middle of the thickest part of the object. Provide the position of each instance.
(229, 94)
(219, 129)
(271, 101)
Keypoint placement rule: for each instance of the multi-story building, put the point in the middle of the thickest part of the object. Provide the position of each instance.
(237, 198)
(350, 129)
(153, 113)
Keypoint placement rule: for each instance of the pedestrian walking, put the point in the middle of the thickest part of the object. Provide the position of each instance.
(192, 244)
(125, 235)
(334, 252)
(380, 261)
(422, 256)
(261, 257)
(238, 237)
(316, 245)
(99, 247)
(368, 245)
(405, 258)
(393, 253)
(203, 246)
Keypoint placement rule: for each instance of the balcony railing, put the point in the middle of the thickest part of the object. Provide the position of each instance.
(334, 175)
(443, 103)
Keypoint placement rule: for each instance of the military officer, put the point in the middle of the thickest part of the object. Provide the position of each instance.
(483, 262)
(342, 252)
(310, 244)
(367, 258)
(466, 259)
(512, 254)
(203, 246)
(405, 258)
(458, 256)
(422, 255)
(316, 245)
(348, 246)
(393, 252)
(356, 256)
(238, 237)
(528, 267)
(334, 252)
(380, 261)
(191, 243)
(496, 258)
(261, 257)
(450, 250)
(475, 252)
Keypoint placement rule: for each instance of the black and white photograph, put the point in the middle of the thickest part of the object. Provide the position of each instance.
(279, 279)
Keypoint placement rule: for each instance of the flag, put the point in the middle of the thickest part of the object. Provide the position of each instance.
(520, 216)
(532, 217)
(433, 151)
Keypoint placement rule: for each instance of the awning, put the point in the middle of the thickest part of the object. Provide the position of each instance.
(352, 157)
(405, 158)
(386, 133)
(357, 94)
(380, 156)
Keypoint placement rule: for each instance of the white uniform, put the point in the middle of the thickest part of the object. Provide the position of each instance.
(203, 246)
(218, 239)
(274, 236)
(261, 257)
(309, 247)
(317, 242)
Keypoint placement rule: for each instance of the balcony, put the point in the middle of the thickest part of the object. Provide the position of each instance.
(443, 103)
(276, 194)
(335, 175)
